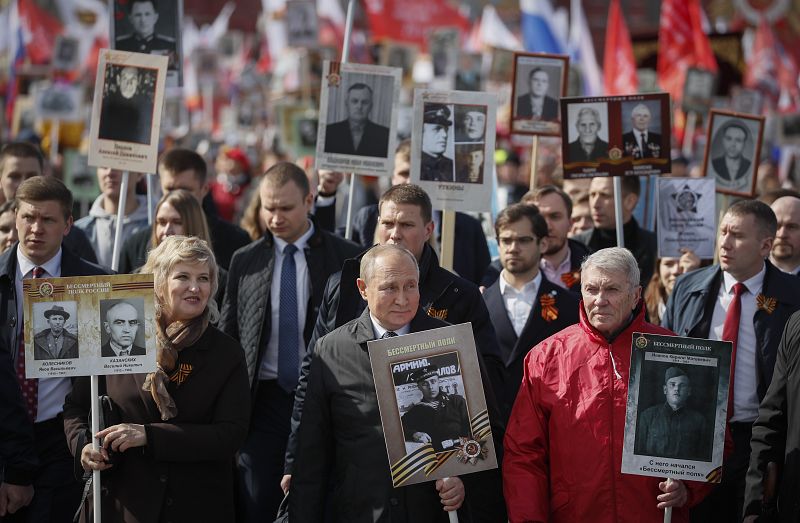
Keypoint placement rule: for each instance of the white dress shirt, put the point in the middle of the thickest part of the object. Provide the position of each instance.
(380, 331)
(52, 391)
(554, 273)
(519, 303)
(745, 396)
(269, 364)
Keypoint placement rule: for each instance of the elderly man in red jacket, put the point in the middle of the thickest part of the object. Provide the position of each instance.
(563, 444)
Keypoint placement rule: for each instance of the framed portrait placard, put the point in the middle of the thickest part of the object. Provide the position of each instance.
(302, 24)
(59, 101)
(66, 53)
(432, 404)
(677, 407)
(686, 217)
(126, 111)
(443, 44)
(698, 90)
(539, 81)
(748, 101)
(452, 147)
(87, 325)
(616, 135)
(358, 118)
(733, 147)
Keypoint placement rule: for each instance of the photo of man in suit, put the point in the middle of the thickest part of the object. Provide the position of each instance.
(436, 167)
(640, 142)
(121, 325)
(588, 147)
(535, 103)
(126, 114)
(732, 167)
(55, 342)
(357, 135)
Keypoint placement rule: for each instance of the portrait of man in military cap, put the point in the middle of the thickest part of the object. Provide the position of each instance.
(147, 26)
(54, 342)
(436, 166)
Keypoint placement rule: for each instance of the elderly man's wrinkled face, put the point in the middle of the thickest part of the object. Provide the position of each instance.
(588, 128)
(122, 323)
(640, 117)
(128, 82)
(608, 299)
(392, 290)
(677, 390)
(429, 388)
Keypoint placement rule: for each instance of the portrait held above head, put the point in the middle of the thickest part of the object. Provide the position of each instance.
(121, 324)
(143, 15)
(358, 134)
(732, 160)
(126, 113)
(55, 342)
(436, 167)
(640, 141)
(589, 147)
(536, 103)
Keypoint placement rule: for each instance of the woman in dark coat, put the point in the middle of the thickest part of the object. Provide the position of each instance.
(181, 425)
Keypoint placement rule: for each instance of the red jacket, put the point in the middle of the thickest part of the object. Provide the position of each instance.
(563, 443)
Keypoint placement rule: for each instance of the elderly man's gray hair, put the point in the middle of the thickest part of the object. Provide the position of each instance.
(591, 111)
(614, 259)
(369, 260)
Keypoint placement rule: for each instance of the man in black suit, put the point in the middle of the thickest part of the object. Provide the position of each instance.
(732, 167)
(44, 216)
(126, 114)
(185, 169)
(357, 135)
(121, 325)
(275, 287)
(588, 147)
(536, 104)
(524, 306)
(640, 142)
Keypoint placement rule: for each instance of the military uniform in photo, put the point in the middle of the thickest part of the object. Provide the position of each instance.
(437, 168)
(153, 44)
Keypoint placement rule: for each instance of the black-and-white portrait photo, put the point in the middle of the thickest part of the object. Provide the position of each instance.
(733, 145)
(399, 55)
(66, 53)
(748, 101)
(122, 332)
(307, 131)
(676, 412)
(641, 127)
(302, 25)
(470, 159)
(536, 97)
(698, 89)
(469, 74)
(126, 113)
(587, 129)
(443, 48)
(59, 102)
(149, 27)
(470, 123)
(56, 330)
(430, 399)
(437, 143)
(359, 115)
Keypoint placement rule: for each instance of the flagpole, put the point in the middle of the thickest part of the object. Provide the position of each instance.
(618, 211)
(534, 159)
(348, 29)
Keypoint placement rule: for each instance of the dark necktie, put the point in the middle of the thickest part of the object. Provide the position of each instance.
(29, 387)
(288, 331)
(730, 332)
(388, 334)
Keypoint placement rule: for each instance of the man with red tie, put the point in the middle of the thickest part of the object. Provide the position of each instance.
(745, 300)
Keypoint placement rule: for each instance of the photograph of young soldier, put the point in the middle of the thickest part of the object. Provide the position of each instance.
(673, 429)
(469, 162)
(470, 123)
(440, 418)
(436, 122)
(536, 104)
(55, 342)
(589, 146)
(357, 134)
(120, 327)
(126, 114)
(142, 17)
(732, 150)
(640, 141)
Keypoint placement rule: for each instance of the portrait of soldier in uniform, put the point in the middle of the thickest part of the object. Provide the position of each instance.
(436, 167)
(126, 114)
(143, 16)
(440, 418)
(55, 342)
(121, 325)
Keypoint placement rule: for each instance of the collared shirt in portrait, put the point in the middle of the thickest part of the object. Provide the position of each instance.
(519, 303)
(553, 273)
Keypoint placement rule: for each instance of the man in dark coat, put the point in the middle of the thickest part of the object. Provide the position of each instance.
(357, 135)
(535, 103)
(55, 342)
(588, 147)
(436, 167)
(143, 16)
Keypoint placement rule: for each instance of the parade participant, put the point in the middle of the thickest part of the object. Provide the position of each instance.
(785, 253)
(663, 281)
(179, 430)
(8, 225)
(569, 416)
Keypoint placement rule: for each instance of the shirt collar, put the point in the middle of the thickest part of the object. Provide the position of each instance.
(51, 266)
(529, 287)
(380, 331)
(564, 266)
(301, 242)
(753, 284)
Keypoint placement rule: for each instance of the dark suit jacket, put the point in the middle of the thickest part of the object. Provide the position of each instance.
(374, 142)
(575, 152)
(525, 108)
(79, 244)
(691, 307)
(246, 310)
(630, 145)
(641, 242)
(188, 458)
(69, 347)
(126, 120)
(18, 459)
(722, 169)
(513, 348)
(107, 352)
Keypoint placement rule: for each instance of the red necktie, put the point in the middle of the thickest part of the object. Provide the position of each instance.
(730, 332)
(30, 387)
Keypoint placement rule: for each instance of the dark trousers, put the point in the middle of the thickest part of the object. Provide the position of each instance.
(261, 458)
(57, 493)
(725, 503)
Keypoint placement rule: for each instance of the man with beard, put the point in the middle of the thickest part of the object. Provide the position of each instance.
(785, 253)
(55, 342)
(436, 167)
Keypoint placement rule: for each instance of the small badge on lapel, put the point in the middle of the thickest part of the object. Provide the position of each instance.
(766, 304)
(437, 313)
(548, 303)
(181, 374)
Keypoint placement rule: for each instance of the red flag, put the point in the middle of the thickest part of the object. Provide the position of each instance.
(41, 29)
(411, 20)
(681, 44)
(771, 70)
(619, 67)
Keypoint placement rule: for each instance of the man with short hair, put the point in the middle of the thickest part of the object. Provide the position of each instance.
(743, 299)
(581, 217)
(524, 305)
(121, 325)
(732, 167)
(143, 16)
(472, 169)
(340, 435)
(536, 103)
(470, 123)
(101, 224)
(640, 142)
(275, 287)
(44, 216)
(563, 445)
(126, 113)
(641, 242)
(55, 342)
(357, 135)
(185, 169)
(785, 253)
(436, 122)
(588, 147)
(8, 225)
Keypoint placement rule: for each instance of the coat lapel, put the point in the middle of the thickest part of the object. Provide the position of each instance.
(506, 336)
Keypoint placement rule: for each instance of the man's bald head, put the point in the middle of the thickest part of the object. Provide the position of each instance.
(785, 252)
